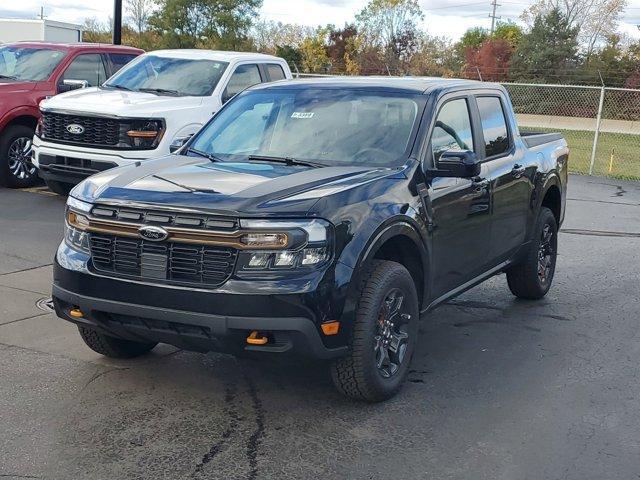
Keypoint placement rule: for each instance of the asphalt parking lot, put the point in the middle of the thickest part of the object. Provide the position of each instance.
(499, 389)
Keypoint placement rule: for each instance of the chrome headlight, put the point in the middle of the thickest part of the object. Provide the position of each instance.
(76, 223)
(284, 245)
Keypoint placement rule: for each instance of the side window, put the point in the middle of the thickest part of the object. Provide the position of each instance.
(452, 130)
(87, 67)
(275, 72)
(494, 126)
(243, 77)
(119, 60)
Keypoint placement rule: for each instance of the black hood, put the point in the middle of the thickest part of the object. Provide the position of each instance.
(250, 188)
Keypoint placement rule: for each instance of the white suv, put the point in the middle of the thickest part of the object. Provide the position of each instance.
(146, 110)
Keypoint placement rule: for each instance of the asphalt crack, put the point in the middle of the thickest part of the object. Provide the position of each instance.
(256, 437)
(232, 412)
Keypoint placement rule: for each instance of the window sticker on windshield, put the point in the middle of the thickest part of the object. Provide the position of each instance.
(302, 114)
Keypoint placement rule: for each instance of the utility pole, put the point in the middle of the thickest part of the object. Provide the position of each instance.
(117, 22)
(492, 16)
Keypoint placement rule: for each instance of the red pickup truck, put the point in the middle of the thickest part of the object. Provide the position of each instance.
(32, 71)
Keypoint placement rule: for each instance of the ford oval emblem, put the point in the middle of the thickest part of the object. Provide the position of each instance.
(75, 129)
(155, 234)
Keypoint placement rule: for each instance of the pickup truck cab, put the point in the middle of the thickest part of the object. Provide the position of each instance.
(33, 71)
(148, 109)
(315, 216)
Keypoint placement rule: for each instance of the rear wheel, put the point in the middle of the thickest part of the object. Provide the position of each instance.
(111, 346)
(60, 188)
(532, 278)
(384, 335)
(16, 169)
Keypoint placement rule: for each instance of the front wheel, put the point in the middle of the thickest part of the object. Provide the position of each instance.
(532, 278)
(384, 335)
(111, 346)
(16, 169)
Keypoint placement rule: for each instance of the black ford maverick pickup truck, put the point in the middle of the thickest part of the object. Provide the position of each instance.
(321, 217)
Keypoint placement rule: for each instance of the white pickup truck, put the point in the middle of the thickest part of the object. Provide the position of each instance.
(147, 110)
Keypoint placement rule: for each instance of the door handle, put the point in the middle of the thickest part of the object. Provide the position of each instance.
(518, 170)
(480, 185)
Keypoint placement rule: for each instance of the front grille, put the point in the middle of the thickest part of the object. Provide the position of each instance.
(165, 218)
(165, 262)
(98, 131)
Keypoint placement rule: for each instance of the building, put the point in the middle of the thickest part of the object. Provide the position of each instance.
(15, 30)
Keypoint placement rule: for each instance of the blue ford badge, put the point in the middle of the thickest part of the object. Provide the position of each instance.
(155, 234)
(75, 129)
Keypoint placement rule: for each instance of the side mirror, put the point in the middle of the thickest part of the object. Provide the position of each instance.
(457, 163)
(178, 143)
(68, 85)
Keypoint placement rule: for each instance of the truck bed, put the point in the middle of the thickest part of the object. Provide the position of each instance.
(535, 139)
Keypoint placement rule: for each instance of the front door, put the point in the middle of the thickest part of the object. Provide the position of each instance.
(460, 208)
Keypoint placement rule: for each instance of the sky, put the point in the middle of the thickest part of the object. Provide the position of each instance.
(448, 18)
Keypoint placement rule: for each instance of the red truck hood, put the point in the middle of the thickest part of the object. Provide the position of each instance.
(10, 86)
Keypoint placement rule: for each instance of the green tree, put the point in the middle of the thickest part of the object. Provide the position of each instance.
(472, 39)
(221, 24)
(292, 55)
(509, 32)
(314, 53)
(547, 49)
(381, 22)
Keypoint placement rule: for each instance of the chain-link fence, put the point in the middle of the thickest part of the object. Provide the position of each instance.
(601, 125)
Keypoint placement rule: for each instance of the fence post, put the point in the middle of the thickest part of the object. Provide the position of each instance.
(597, 132)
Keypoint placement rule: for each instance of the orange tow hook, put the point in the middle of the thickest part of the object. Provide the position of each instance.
(76, 313)
(256, 339)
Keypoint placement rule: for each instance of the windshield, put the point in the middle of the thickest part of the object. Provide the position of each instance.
(164, 75)
(28, 63)
(329, 127)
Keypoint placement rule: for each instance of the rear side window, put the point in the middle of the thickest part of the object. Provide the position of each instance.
(87, 67)
(494, 126)
(275, 72)
(119, 60)
(243, 77)
(452, 130)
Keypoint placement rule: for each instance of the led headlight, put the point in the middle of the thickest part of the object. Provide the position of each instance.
(284, 245)
(76, 223)
(142, 134)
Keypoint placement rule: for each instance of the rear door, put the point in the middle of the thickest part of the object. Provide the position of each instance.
(460, 207)
(510, 178)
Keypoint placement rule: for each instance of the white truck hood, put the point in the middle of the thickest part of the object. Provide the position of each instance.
(119, 103)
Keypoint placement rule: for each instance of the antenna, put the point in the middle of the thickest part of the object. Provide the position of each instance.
(492, 15)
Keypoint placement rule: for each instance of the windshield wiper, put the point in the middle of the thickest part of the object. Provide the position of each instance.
(159, 91)
(10, 77)
(186, 187)
(116, 86)
(210, 156)
(286, 160)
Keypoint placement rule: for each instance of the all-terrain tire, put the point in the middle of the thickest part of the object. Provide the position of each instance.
(10, 138)
(113, 347)
(60, 188)
(525, 279)
(357, 375)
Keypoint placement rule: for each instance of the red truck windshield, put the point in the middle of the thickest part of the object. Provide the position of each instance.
(28, 63)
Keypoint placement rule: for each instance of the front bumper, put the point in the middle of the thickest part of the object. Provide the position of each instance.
(193, 319)
(71, 164)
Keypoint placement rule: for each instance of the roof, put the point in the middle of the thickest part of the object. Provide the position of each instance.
(201, 54)
(75, 46)
(400, 84)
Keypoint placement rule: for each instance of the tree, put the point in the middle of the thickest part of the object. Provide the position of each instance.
(473, 39)
(510, 32)
(547, 49)
(340, 46)
(435, 57)
(491, 60)
(222, 24)
(138, 13)
(267, 35)
(314, 54)
(292, 55)
(381, 22)
(594, 19)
